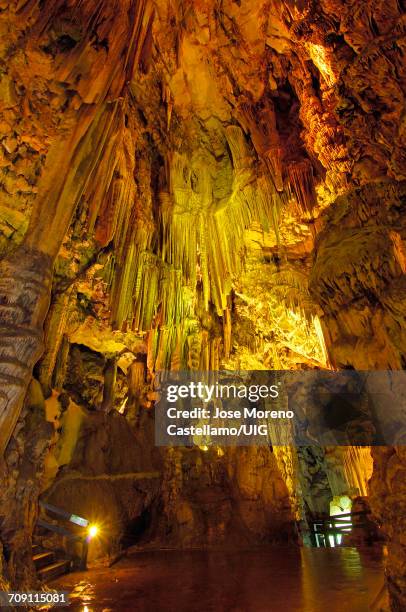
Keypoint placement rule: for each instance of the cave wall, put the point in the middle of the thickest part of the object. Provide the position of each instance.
(63, 69)
(100, 468)
(225, 497)
(201, 185)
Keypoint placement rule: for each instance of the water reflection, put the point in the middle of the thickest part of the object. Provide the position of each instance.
(305, 580)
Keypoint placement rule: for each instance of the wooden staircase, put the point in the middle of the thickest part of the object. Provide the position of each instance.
(49, 565)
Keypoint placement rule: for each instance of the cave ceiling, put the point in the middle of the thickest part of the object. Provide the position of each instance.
(218, 153)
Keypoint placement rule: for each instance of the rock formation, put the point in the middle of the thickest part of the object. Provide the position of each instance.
(196, 185)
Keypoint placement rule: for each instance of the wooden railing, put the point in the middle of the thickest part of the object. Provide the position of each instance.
(335, 526)
(63, 515)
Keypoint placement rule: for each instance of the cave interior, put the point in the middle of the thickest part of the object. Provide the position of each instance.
(200, 186)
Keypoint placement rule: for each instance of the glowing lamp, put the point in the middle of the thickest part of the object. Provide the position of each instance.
(93, 531)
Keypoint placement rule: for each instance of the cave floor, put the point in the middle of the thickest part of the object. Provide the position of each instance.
(277, 579)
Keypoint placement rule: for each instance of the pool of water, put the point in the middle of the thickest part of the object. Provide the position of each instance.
(277, 579)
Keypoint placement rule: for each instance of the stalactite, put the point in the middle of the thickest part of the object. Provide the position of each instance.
(334, 457)
(204, 362)
(261, 123)
(114, 196)
(165, 346)
(227, 333)
(240, 151)
(273, 161)
(177, 357)
(301, 180)
(147, 300)
(286, 460)
(291, 285)
(128, 283)
(215, 346)
(54, 331)
(174, 304)
(59, 372)
(203, 263)
(137, 376)
(102, 205)
(358, 466)
(200, 246)
(145, 55)
(124, 280)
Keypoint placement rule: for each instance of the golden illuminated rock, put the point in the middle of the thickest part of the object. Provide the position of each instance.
(198, 185)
